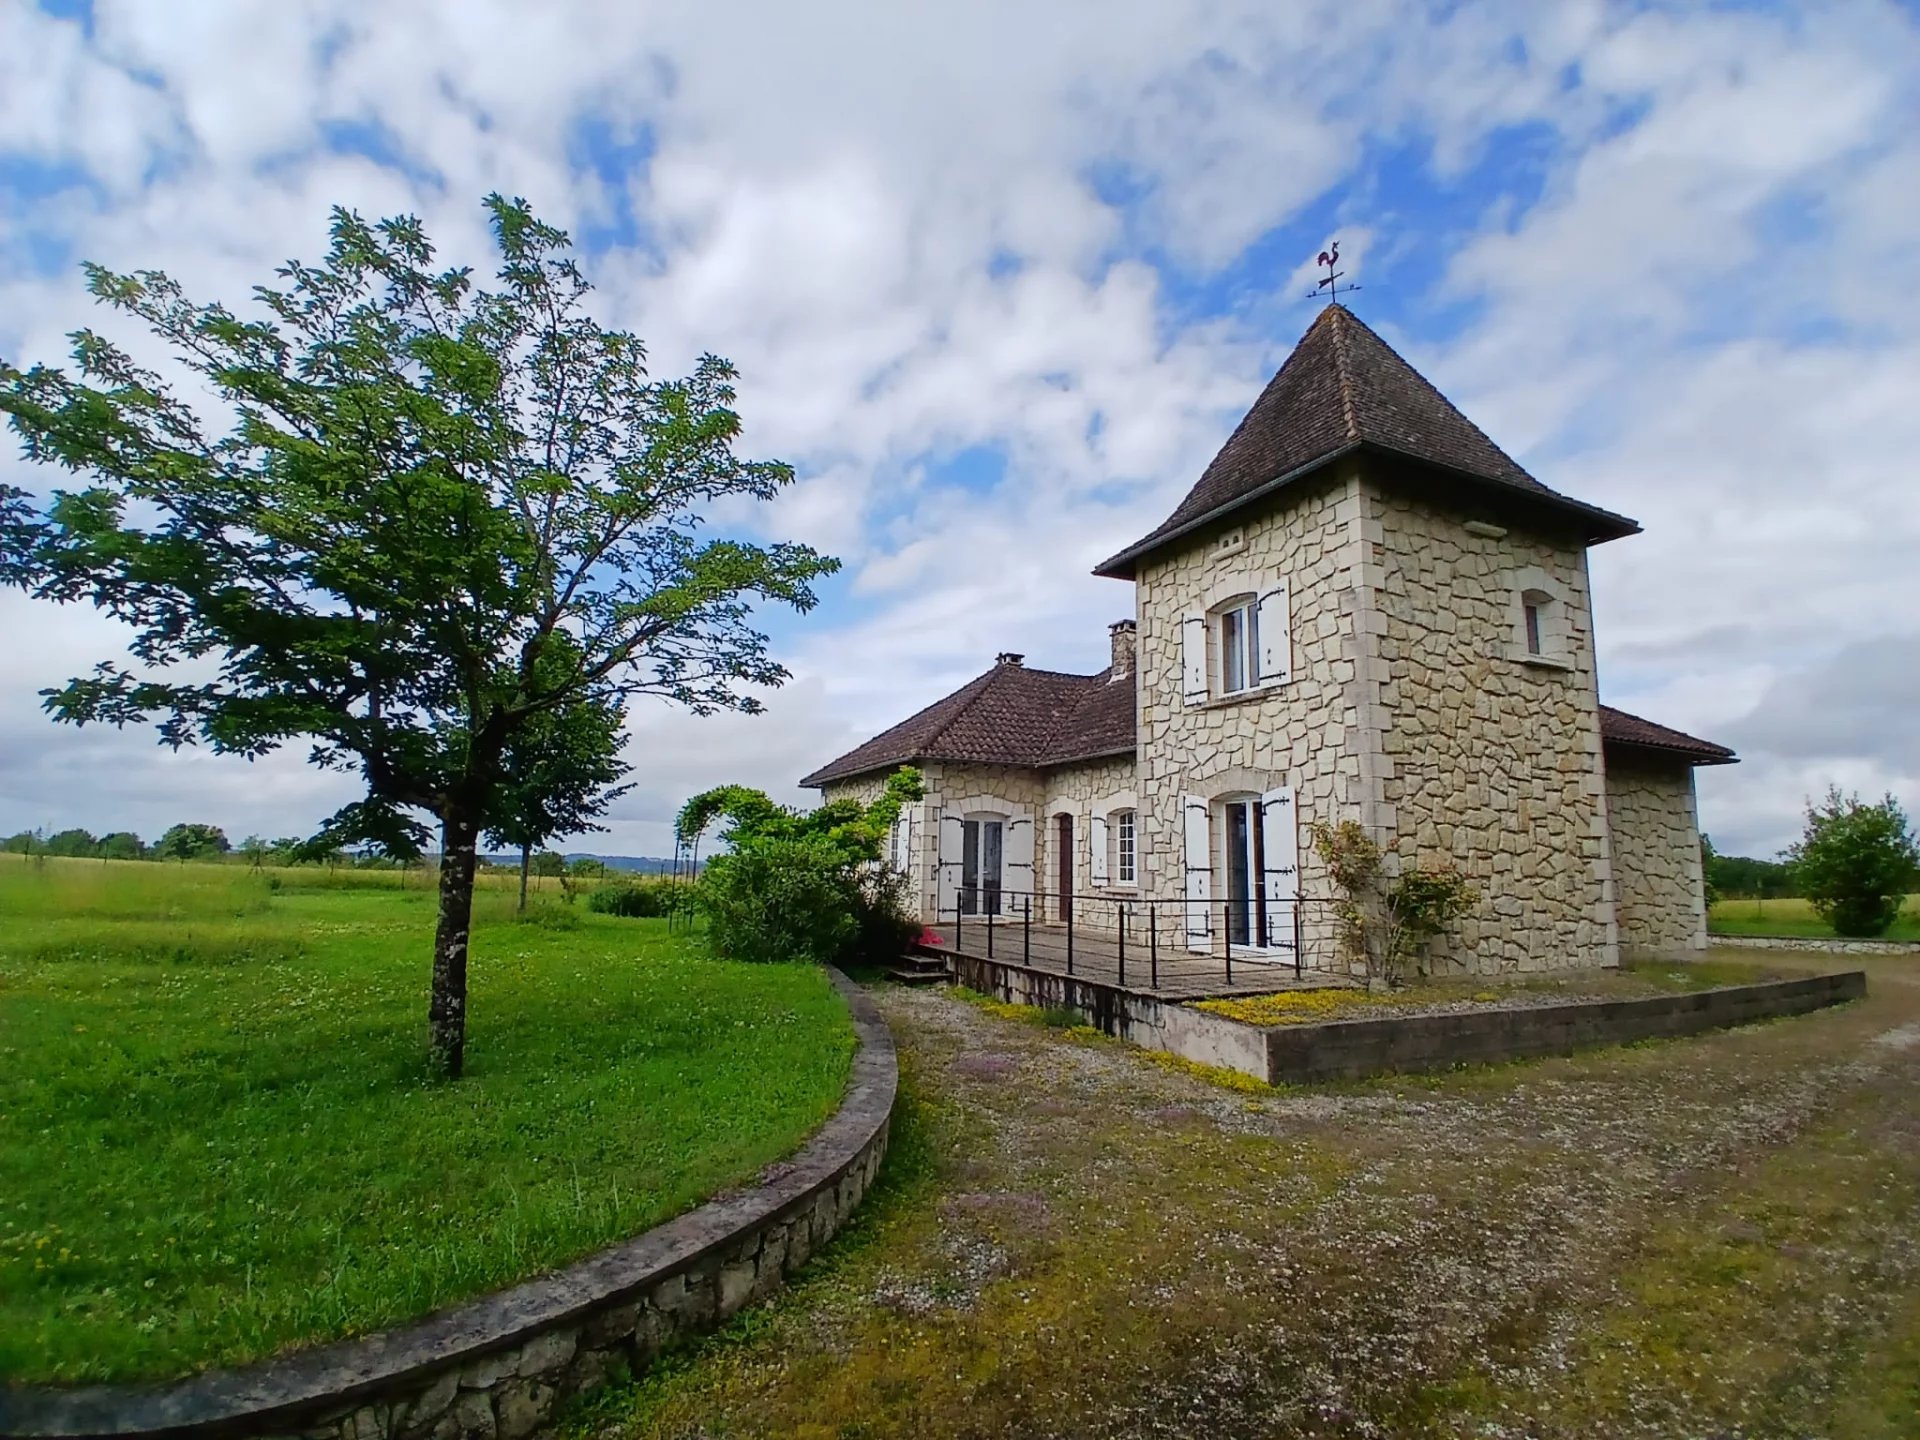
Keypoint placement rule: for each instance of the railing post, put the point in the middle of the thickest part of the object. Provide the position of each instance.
(957, 912)
(1226, 936)
(1123, 944)
(1069, 941)
(1153, 941)
(1299, 950)
(990, 932)
(1026, 930)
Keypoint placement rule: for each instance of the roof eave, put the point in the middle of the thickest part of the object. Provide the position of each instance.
(1673, 752)
(1121, 566)
(1601, 525)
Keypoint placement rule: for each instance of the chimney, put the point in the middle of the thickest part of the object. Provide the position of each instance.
(1008, 657)
(1124, 634)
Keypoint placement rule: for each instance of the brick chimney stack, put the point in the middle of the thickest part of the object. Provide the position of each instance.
(1125, 634)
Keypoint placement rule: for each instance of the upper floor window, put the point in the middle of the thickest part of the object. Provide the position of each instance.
(1241, 644)
(1540, 630)
(1125, 868)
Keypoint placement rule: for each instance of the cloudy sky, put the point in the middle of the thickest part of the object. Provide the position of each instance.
(1000, 277)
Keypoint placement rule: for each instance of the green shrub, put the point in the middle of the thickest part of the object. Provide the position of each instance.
(804, 885)
(1856, 862)
(636, 899)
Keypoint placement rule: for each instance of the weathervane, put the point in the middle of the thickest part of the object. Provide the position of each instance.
(1330, 282)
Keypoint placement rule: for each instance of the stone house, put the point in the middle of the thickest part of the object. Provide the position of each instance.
(1365, 610)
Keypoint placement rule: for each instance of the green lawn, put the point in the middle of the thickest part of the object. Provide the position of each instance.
(1796, 917)
(217, 1137)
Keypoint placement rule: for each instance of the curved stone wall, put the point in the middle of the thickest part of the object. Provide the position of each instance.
(499, 1367)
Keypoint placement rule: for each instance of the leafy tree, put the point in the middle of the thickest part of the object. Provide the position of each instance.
(549, 863)
(25, 842)
(1856, 862)
(560, 771)
(423, 483)
(73, 844)
(256, 850)
(803, 884)
(121, 845)
(191, 842)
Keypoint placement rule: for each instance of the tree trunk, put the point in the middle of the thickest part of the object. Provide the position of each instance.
(526, 856)
(447, 1011)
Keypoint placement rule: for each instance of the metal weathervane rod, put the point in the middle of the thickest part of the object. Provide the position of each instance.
(1330, 285)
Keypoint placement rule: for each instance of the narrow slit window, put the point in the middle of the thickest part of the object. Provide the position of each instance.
(1532, 608)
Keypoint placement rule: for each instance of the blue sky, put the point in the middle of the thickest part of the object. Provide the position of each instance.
(998, 290)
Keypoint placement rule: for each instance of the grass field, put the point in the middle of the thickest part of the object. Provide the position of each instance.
(218, 1139)
(1796, 917)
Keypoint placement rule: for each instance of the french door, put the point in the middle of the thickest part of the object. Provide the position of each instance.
(1241, 847)
(982, 843)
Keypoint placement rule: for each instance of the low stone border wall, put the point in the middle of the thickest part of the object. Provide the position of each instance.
(499, 1367)
(1353, 1049)
(1816, 943)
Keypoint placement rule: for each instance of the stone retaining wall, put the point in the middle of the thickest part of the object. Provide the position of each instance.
(1819, 944)
(1352, 1049)
(499, 1367)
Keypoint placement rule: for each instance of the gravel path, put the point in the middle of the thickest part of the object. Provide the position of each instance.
(1712, 1237)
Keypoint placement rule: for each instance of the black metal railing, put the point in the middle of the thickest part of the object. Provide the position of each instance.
(1073, 931)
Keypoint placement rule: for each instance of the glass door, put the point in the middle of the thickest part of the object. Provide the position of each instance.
(980, 852)
(1246, 903)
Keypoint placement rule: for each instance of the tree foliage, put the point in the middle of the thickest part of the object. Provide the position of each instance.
(1388, 921)
(1856, 862)
(804, 884)
(407, 493)
(560, 771)
(191, 842)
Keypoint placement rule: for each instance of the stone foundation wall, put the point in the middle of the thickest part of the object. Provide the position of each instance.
(501, 1367)
(1492, 759)
(1659, 893)
(1818, 944)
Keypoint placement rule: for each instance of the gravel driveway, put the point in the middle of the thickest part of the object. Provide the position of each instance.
(1707, 1237)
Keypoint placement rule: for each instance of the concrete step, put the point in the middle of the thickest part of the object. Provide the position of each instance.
(918, 977)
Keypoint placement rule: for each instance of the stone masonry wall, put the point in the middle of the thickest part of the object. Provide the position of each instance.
(1310, 733)
(1490, 760)
(1082, 791)
(1659, 894)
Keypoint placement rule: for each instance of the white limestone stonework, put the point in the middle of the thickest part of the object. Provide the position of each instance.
(1659, 897)
(1491, 758)
(1307, 733)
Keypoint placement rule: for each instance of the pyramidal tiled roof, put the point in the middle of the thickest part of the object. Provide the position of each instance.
(1344, 388)
(1009, 716)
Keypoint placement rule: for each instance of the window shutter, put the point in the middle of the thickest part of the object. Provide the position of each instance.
(1199, 840)
(1276, 636)
(947, 862)
(1193, 658)
(1279, 864)
(1097, 841)
(1016, 862)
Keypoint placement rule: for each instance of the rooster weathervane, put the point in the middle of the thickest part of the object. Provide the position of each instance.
(1330, 285)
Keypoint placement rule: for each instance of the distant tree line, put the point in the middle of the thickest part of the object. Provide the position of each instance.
(1739, 877)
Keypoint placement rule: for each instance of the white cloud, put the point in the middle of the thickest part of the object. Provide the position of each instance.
(922, 229)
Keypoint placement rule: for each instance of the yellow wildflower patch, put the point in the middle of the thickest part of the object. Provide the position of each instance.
(1291, 1007)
